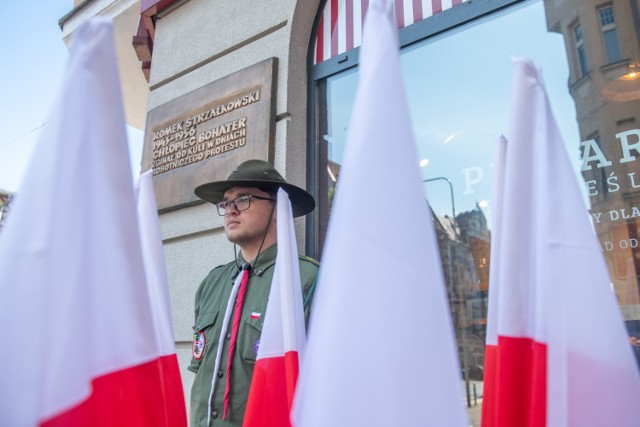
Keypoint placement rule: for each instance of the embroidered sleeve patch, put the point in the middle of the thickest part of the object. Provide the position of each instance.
(199, 343)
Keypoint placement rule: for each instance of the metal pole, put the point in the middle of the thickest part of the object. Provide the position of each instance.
(458, 295)
(453, 203)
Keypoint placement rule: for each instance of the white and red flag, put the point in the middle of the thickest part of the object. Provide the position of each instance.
(561, 355)
(381, 348)
(158, 290)
(283, 335)
(79, 343)
(488, 399)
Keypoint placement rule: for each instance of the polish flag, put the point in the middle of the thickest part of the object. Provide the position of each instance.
(381, 349)
(158, 290)
(283, 334)
(488, 399)
(80, 346)
(560, 349)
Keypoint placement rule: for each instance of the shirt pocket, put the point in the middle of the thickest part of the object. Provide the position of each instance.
(251, 330)
(206, 334)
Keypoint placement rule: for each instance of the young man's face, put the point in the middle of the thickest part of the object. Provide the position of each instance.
(247, 227)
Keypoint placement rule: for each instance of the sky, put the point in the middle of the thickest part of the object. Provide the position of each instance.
(33, 62)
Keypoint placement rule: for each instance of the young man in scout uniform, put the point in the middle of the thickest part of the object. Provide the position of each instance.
(231, 301)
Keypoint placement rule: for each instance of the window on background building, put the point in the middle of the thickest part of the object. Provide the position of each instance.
(458, 84)
(609, 34)
(581, 52)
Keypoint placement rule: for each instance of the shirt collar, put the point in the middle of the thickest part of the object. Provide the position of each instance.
(266, 259)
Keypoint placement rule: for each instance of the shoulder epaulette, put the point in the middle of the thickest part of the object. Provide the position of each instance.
(309, 259)
(221, 266)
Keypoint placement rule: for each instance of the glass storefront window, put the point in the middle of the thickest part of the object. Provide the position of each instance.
(459, 90)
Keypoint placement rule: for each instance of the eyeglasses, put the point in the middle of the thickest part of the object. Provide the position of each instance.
(241, 203)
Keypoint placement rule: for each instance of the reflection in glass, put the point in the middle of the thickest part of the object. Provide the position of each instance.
(459, 89)
(609, 34)
(608, 114)
(581, 51)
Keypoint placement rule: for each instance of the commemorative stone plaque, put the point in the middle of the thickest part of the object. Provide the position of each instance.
(201, 136)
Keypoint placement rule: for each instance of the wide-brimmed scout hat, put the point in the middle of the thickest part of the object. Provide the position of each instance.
(259, 174)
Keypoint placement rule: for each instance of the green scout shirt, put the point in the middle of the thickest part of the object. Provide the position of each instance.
(211, 301)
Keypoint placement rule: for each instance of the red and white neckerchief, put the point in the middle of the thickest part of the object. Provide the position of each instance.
(237, 285)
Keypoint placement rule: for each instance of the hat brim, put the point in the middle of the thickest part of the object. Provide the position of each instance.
(301, 201)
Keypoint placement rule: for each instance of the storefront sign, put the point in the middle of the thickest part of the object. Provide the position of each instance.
(611, 181)
(593, 155)
(202, 135)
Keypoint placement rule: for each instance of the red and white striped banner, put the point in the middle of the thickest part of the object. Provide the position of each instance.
(340, 26)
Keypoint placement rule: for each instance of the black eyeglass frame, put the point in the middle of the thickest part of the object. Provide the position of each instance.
(223, 207)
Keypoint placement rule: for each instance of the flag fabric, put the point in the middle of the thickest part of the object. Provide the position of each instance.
(562, 355)
(283, 335)
(381, 348)
(76, 323)
(488, 396)
(158, 290)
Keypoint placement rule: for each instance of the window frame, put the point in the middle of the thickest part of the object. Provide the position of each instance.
(580, 51)
(609, 28)
(432, 26)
